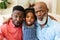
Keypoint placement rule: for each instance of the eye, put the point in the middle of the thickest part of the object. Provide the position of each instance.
(42, 10)
(20, 16)
(27, 16)
(15, 16)
(32, 17)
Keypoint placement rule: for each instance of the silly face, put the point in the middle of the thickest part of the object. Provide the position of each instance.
(30, 18)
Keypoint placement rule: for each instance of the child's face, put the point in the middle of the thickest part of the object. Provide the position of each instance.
(30, 18)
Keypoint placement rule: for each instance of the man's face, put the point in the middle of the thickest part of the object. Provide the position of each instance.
(41, 11)
(17, 17)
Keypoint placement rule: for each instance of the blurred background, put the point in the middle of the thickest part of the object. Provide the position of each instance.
(5, 12)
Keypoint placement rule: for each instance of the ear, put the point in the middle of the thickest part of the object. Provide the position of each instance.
(47, 10)
(35, 14)
(24, 19)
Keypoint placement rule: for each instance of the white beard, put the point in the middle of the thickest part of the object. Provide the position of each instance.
(43, 21)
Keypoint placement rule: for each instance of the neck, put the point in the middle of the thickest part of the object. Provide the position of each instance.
(29, 26)
(42, 25)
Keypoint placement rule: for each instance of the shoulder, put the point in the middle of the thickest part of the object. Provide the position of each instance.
(52, 22)
(56, 23)
(56, 26)
(3, 27)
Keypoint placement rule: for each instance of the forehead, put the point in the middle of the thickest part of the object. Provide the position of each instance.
(17, 12)
(29, 13)
(40, 6)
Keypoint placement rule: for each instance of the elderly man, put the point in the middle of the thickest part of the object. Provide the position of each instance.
(47, 29)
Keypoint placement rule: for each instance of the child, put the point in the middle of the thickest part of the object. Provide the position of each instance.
(29, 27)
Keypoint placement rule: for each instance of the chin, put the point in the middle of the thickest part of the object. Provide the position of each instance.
(29, 24)
(18, 25)
(43, 21)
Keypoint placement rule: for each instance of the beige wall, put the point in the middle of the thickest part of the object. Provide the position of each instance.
(25, 4)
(58, 7)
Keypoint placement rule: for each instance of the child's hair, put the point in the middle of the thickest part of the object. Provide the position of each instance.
(30, 9)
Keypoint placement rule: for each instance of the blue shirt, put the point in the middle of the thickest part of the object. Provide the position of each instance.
(51, 30)
(29, 33)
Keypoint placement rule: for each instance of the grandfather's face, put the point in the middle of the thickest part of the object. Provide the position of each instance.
(17, 17)
(41, 12)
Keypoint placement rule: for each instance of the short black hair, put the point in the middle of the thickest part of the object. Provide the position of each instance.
(19, 8)
(30, 9)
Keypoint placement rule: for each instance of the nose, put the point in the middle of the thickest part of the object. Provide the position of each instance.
(29, 18)
(18, 18)
(39, 13)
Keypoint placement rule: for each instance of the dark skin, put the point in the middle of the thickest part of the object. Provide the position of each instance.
(30, 18)
(17, 17)
(41, 10)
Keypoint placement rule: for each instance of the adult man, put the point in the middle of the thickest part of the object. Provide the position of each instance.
(47, 29)
(13, 29)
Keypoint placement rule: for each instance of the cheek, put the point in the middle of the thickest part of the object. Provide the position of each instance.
(14, 19)
(36, 14)
(32, 20)
(26, 19)
(21, 19)
(45, 14)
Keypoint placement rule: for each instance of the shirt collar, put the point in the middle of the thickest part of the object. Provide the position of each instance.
(49, 21)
